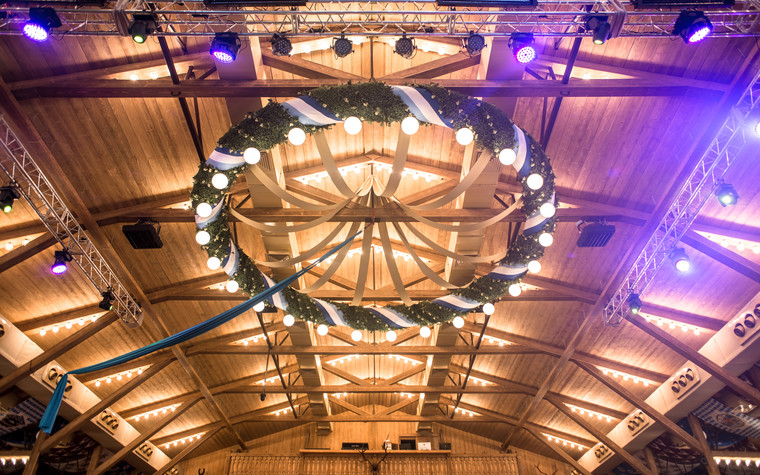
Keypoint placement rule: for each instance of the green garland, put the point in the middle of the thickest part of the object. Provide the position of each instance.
(375, 102)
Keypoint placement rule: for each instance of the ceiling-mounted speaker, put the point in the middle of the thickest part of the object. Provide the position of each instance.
(595, 234)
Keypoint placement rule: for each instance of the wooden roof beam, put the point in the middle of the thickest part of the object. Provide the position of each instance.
(22, 253)
(730, 259)
(187, 451)
(562, 454)
(729, 230)
(304, 68)
(293, 87)
(435, 68)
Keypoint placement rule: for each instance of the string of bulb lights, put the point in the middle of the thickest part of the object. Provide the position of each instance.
(559, 440)
(120, 376)
(184, 440)
(589, 413)
(625, 376)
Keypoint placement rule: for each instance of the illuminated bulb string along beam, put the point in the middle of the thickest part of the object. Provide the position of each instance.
(706, 176)
(549, 18)
(586, 412)
(672, 324)
(18, 164)
(184, 440)
(157, 412)
(67, 325)
(120, 376)
(559, 440)
(625, 377)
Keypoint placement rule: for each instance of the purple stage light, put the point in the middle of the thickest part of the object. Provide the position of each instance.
(61, 258)
(59, 268)
(693, 26)
(225, 46)
(522, 45)
(35, 32)
(223, 56)
(526, 54)
(41, 21)
(700, 33)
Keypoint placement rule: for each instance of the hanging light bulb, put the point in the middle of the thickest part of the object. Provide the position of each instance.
(322, 329)
(410, 125)
(488, 308)
(545, 239)
(547, 210)
(232, 286)
(259, 307)
(534, 267)
(515, 290)
(458, 322)
(507, 156)
(288, 320)
(213, 263)
(535, 181)
(204, 210)
(220, 181)
(297, 136)
(356, 335)
(352, 125)
(390, 335)
(251, 155)
(202, 237)
(425, 332)
(464, 136)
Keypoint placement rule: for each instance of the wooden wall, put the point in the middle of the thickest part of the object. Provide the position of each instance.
(280, 453)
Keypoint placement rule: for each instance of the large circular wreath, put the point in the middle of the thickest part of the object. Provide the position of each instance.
(377, 102)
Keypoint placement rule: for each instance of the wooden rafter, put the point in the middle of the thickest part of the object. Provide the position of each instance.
(435, 68)
(187, 451)
(562, 454)
(725, 256)
(22, 253)
(304, 68)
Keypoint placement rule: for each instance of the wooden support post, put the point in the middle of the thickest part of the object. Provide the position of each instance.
(94, 459)
(696, 430)
(599, 434)
(179, 457)
(115, 458)
(651, 461)
(34, 459)
(742, 388)
(72, 426)
(57, 350)
(546, 385)
(562, 454)
(671, 426)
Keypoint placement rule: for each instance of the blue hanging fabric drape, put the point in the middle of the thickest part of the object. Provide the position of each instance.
(46, 423)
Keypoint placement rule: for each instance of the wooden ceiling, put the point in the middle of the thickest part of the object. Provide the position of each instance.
(613, 156)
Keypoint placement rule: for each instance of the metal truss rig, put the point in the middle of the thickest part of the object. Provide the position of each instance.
(37, 190)
(385, 18)
(726, 147)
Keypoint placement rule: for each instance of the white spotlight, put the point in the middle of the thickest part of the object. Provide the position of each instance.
(252, 155)
(465, 136)
(297, 136)
(410, 125)
(220, 181)
(507, 156)
(352, 125)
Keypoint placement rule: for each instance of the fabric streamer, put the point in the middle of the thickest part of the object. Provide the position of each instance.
(429, 273)
(289, 262)
(480, 164)
(460, 228)
(48, 418)
(446, 252)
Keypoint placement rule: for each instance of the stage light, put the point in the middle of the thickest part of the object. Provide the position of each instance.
(202, 237)
(41, 21)
(107, 302)
(8, 195)
(534, 181)
(390, 335)
(634, 303)
(60, 264)
(288, 320)
(251, 155)
(757, 128)
(281, 46)
(522, 45)
(225, 47)
(259, 307)
(474, 43)
(458, 322)
(322, 329)
(204, 210)
(410, 125)
(507, 156)
(425, 332)
(352, 125)
(220, 181)
(534, 267)
(232, 286)
(405, 47)
(726, 194)
(142, 26)
(680, 259)
(342, 46)
(296, 136)
(693, 26)
(600, 28)
(488, 308)
(464, 136)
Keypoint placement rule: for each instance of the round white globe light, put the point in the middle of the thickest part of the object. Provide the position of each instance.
(683, 265)
(352, 125)
(507, 156)
(545, 239)
(213, 263)
(202, 237)
(390, 335)
(534, 267)
(458, 322)
(220, 181)
(296, 136)
(288, 320)
(232, 286)
(488, 308)
(322, 329)
(547, 210)
(356, 335)
(204, 210)
(514, 290)
(410, 125)
(252, 155)
(465, 136)
(425, 332)
(259, 307)
(535, 181)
